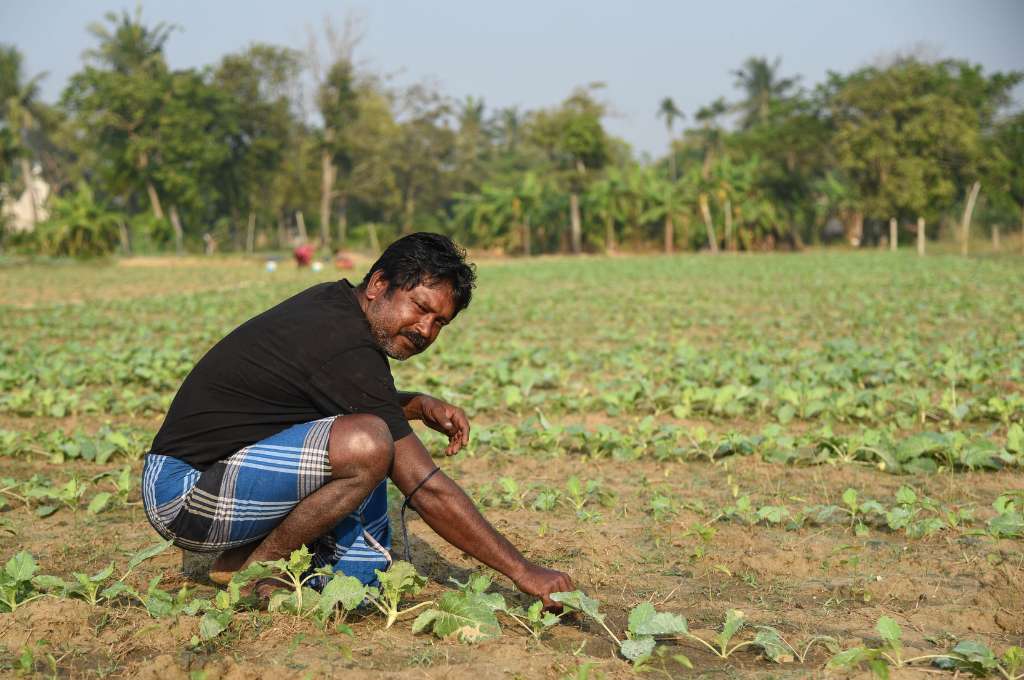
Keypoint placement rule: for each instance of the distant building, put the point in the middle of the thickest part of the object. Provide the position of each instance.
(22, 214)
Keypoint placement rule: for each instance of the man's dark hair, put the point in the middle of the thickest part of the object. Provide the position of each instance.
(428, 259)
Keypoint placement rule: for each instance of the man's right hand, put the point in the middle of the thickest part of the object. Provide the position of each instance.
(541, 582)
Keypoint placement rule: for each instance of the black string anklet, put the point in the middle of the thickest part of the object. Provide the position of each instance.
(405, 504)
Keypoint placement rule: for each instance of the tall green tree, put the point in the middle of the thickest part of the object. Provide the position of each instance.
(257, 83)
(424, 149)
(1004, 171)
(117, 100)
(575, 140)
(337, 103)
(666, 201)
(910, 135)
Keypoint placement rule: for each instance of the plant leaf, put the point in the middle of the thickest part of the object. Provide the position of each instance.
(213, 624)
(464, 616)
(733, 622)
(103, 574)
(851, 657)
(147, 553)
(645, 620)
(401, 579)
(21, 567)
(98, 502)
(348, 590)
(773, 646)
(638, 648)
(47, 583)
(889, 630)
(578, 601)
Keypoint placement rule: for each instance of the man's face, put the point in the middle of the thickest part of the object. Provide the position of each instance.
(406, 322)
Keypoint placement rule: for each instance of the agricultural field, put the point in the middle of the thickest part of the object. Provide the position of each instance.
(751, 466)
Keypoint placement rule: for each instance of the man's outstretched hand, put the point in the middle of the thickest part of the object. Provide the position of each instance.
(446, 419)
(541, 582)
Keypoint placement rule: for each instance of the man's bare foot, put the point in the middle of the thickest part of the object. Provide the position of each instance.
(229, 562)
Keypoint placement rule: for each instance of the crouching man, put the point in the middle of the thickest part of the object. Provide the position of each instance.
(285, 431)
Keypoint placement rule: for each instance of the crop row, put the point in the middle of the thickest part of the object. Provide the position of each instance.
(469, 614)
(921, 452)
(112, 488)
(914, 514)
(889, 450)
(781, 385)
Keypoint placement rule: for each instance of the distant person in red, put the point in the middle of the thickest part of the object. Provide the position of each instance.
(304, 254)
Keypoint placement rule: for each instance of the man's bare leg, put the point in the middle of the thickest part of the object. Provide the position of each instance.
(360, 451)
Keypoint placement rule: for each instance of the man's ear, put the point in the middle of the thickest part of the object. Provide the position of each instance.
(377, 285)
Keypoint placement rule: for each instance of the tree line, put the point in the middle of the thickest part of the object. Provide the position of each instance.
(271, 146)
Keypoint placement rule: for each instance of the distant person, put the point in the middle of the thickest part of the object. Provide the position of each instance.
(284, 433)
(343, 261)
(303, 254)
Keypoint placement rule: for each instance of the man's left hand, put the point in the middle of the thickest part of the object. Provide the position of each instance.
(447, 419)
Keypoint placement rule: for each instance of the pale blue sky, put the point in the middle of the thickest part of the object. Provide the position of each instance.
(531, 54)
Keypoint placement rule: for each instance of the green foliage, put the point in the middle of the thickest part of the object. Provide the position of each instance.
(79, 226)
(16, 586)
(881, 658)
(399, 581)
(467, 615)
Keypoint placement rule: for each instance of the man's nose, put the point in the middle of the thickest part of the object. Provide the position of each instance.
(424, 328)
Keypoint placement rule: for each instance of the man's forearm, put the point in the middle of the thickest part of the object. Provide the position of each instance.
(446, 508)
(410, 407)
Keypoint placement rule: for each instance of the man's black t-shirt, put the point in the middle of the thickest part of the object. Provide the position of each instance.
(310, 357)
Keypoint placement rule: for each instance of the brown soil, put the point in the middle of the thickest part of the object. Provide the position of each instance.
(817, 580)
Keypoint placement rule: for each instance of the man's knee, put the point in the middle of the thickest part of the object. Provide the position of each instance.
(361, 445)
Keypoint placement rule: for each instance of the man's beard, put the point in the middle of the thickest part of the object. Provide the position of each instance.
(388, 343)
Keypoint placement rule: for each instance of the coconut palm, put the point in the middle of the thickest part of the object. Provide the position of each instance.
(128, 45)
(668, 201)
(760, 80)
(604, 201)
(670, 112)
(710, 133)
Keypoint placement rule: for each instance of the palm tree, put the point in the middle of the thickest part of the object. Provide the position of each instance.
(135, 52)
(665, 199)
(496, 213)
(670, 112)
(508, 125)
(760, 80)
(604, 199)
(129, 45)
(710, 133)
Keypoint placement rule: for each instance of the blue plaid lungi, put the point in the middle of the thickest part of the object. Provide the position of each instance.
(240, 499)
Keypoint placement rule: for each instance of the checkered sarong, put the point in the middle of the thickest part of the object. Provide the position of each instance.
(240, 499)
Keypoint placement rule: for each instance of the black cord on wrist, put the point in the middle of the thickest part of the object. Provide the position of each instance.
(405, 504)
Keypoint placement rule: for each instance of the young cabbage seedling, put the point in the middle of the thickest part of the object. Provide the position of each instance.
(879, 659)
(534, 619)
(467, 614)
(577, 600)
(16, 583)
(395, 583)
(977, 659)
(294, 573)
(779, 650)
